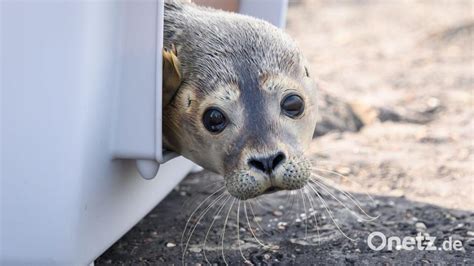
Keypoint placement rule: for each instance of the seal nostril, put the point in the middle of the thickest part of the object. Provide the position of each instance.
(278, 160)
(257, 164)
(268, 164)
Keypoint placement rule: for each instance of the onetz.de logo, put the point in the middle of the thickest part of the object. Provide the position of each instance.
(378, 241)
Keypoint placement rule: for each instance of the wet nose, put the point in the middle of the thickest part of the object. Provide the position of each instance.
(267, 164)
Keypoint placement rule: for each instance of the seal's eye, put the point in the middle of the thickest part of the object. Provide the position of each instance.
(292, 105)
(214, 120)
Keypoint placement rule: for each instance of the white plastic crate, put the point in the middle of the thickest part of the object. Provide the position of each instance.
(80, 103)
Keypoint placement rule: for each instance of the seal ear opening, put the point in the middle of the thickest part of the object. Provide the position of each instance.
(171, 75)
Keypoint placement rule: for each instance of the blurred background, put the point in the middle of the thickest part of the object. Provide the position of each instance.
(396, 96)
(406, 69)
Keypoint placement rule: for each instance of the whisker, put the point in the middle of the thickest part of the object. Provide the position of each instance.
(306, 217)
(216, 213)
(329, 212)
(212, 183)
(199, 219)
(298, 206)
(259, 203)
(238, 233)
(223, 231)
(309, 196)
(292, 203)
(322, 186)
(348, 195)
(343, 177)
(255, 220)
(192, 214)
(250, 227)
(287, 199)
(204, 187)
(329, 183)
(288, 195)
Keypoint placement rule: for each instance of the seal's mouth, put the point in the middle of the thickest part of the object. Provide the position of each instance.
(292, 174)
(271, 190)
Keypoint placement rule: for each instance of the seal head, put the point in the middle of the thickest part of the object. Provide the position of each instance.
(238, 99)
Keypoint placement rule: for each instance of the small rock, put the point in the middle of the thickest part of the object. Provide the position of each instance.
(351, 259)
(433, 104)
(182, 193)
(170, 245)
(195, 249)
(277, 213)
(470, 233)
(257, 219)
(267, 256)
(343, 170)
(470, 242)
(420, 227)
(282, 225)
(271, 247)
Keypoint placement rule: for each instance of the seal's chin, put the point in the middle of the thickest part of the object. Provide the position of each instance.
(247, 183)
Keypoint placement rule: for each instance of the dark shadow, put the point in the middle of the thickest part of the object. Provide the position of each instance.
(152, 240)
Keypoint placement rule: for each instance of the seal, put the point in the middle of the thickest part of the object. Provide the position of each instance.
(237, 99)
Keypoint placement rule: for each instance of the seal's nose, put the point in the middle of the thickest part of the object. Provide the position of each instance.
(267, 164)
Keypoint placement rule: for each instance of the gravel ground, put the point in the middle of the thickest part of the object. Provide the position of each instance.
(406, 70)
(289, 238)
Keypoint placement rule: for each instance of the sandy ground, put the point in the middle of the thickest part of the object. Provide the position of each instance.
(412, 56)
(415, 57)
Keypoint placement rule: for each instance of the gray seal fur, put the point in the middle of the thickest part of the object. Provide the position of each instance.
(244, 66)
